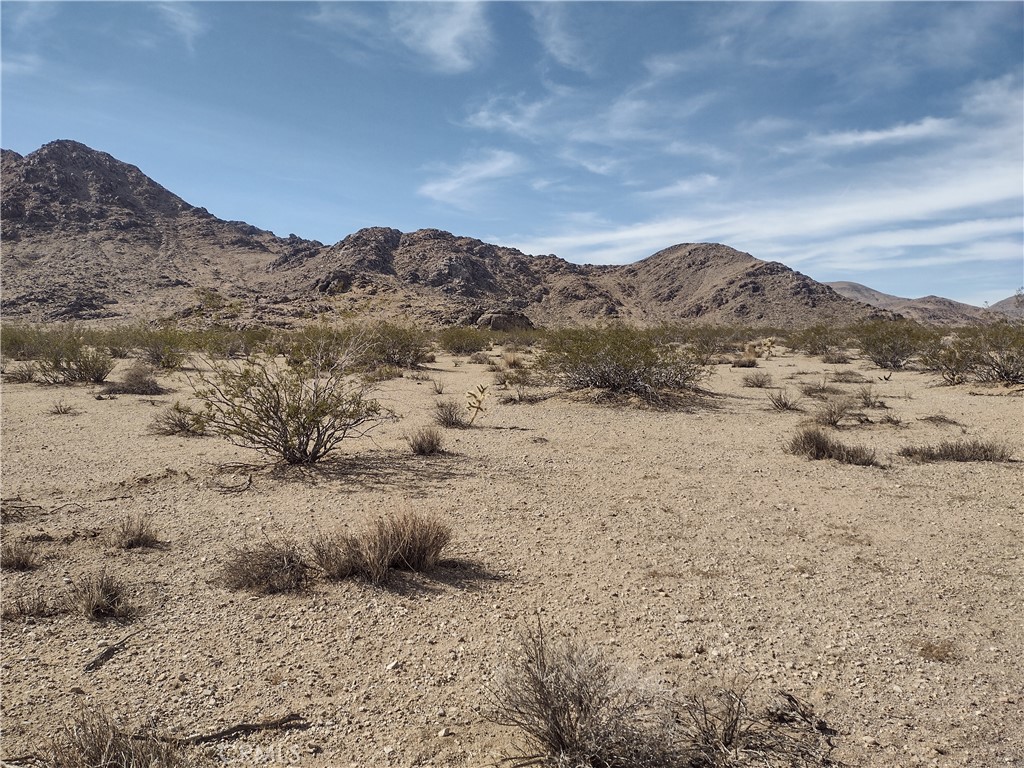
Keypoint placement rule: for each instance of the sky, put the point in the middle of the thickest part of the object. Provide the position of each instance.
(876, 142)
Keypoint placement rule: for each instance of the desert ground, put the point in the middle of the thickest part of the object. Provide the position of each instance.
(686, 544)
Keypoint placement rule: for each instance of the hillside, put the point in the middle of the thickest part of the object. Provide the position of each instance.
(86, 236)
(927, 309)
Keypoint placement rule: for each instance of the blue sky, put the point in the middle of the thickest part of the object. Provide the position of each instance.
(876, 142)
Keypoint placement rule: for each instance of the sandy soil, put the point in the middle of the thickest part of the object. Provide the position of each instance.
(687, 544)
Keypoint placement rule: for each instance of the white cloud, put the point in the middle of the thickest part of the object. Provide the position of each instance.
(22, 64)
(462, 185)
(927, 128)
(453, 37)
(550, 23)
(183, 20)
(683, 187)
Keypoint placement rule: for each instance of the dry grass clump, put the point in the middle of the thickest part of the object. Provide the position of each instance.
(338, 555)
(480, 358)
(815, 444)
(832, 412)
(745, 362)
(405, 542)
(34, 604)
(268, 568)
(820, 391)
(449, 414)
(24, 373)
(60, 408)
(18, 556)
(867, 398)
(101, 596)
(781, 400)
(576, 710)
(137, 380)
(835, 357)
(848, 377)
(757, 380)
(426, 441)
(958, 450)
(94, 740)
(135, 533)
(179, 420)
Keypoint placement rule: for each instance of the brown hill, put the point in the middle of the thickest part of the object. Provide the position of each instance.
(927, 309)
(88, 236)
(1012, 306)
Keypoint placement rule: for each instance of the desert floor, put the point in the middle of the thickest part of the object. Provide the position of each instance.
(687, 544)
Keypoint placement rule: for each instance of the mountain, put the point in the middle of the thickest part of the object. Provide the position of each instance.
(1012, 306)
(927, 309)
(86, 236)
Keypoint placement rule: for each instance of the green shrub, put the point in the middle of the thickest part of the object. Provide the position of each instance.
(817, 340)
(620, 360)
(462, 340)
(892, 343)
(166, 347)
(401, 346)
(1001, 352)
(297, 414)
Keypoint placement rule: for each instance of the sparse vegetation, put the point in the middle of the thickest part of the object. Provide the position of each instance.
(959, 450)
(297, 414)
(834, 356)
(620, 360)
(267, 568)
(449, 414)
(338, 556)
(100, 596)
(832, 412)
(18, 555)
(94, 740)
(781, 400)
(137, 380)
(61, 408)
(758, 380)
(426, 441)
(815, 444)
(820, 390)
(23, 373)
(463, 340)
(891, 343)
(481, 358)
(179, 420)
(136, 532)
(33, 604)
(575, 708)
(745, 362)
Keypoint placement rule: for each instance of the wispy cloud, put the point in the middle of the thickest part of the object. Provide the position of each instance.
(184, 20)
(551, 23)
(683, 187)
(21, 64)
(450, 38)
(462, 185)
(925, 129)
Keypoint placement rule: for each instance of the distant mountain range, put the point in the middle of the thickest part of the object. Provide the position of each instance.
(86, 236)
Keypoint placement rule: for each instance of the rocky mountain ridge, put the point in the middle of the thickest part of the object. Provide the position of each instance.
(86, 236)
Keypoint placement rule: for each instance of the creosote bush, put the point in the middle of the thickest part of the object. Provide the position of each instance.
(94, 740)
(620, 360)
(463, 340)
(891, 343)
(267, 568)
(298, 414)
(959, 450)
(815, 444)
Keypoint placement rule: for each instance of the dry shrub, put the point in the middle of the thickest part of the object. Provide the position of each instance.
(179, 420)
(576, 710)
(512, 361)
(94, 740)
(449, 414)
(835, 357)
(820, 390)
(832, 412)
(406, 542)
(60, 408)
(939, 418)
(848, 377)
(135, 533)
(781, 400)
(268, 568)
(18, 556)
(745, 362)
(21, 374)
(815, 444)
(958, 450)
(100, 596)
(339, 556)
(758, 380)
(426, 441)
(137, 380)
(438, 386)
(480, 358)
(33, 604)
(867, 398)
